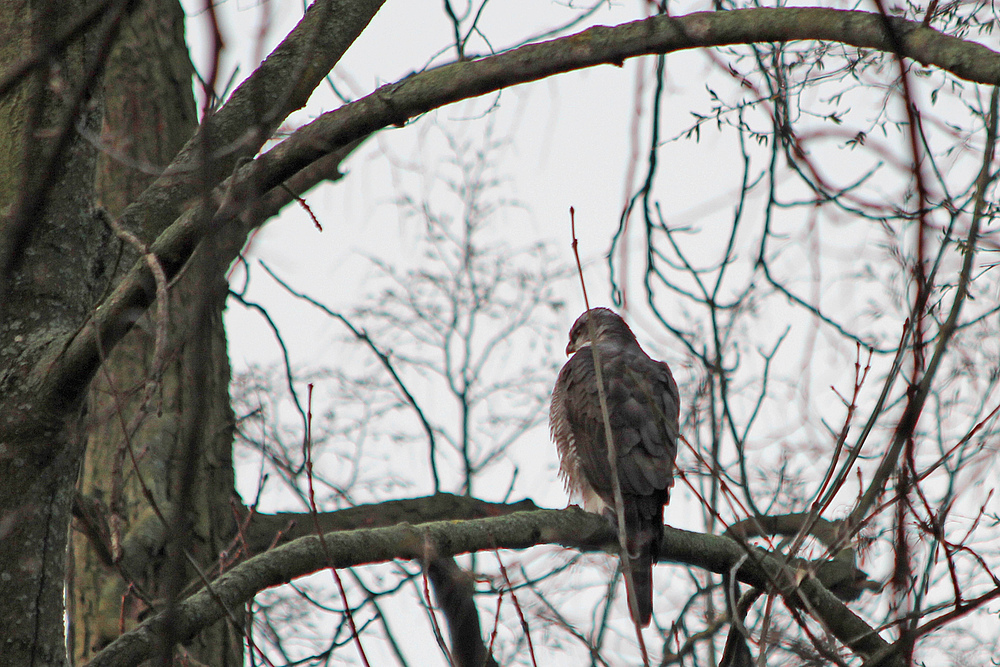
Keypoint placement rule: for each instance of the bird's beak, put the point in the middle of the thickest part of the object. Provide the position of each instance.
(569, 348)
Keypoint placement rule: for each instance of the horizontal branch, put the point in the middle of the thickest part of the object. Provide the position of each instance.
(571, 527)
(264, 528)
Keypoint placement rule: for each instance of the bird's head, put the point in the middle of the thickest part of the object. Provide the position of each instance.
(601, 323)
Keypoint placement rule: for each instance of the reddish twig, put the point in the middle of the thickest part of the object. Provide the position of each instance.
(517, 607)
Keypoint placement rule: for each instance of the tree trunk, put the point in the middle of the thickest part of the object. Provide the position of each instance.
(51, 248)
(159, 424)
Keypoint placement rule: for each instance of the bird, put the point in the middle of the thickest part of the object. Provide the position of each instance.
(643, 410)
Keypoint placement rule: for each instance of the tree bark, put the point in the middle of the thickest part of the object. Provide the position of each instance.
(51, 275)
(142, 442)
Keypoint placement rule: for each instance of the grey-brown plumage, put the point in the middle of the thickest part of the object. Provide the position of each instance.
(643, 410)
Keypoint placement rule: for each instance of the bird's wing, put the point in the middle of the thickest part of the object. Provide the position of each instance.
(643, 410)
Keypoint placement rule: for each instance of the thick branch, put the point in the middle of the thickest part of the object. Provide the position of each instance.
(572, 527)
(453, 591)
(264, 528)
(395, 104)
(282, 84)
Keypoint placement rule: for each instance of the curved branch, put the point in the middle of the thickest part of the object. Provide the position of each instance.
(570, 527)
(395, 104)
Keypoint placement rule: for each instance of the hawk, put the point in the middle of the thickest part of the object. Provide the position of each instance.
(643, 408)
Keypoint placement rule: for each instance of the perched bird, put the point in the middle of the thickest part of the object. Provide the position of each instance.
(643, 410)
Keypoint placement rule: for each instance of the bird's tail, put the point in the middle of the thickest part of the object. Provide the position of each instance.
(644, 532)
(640, 593)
